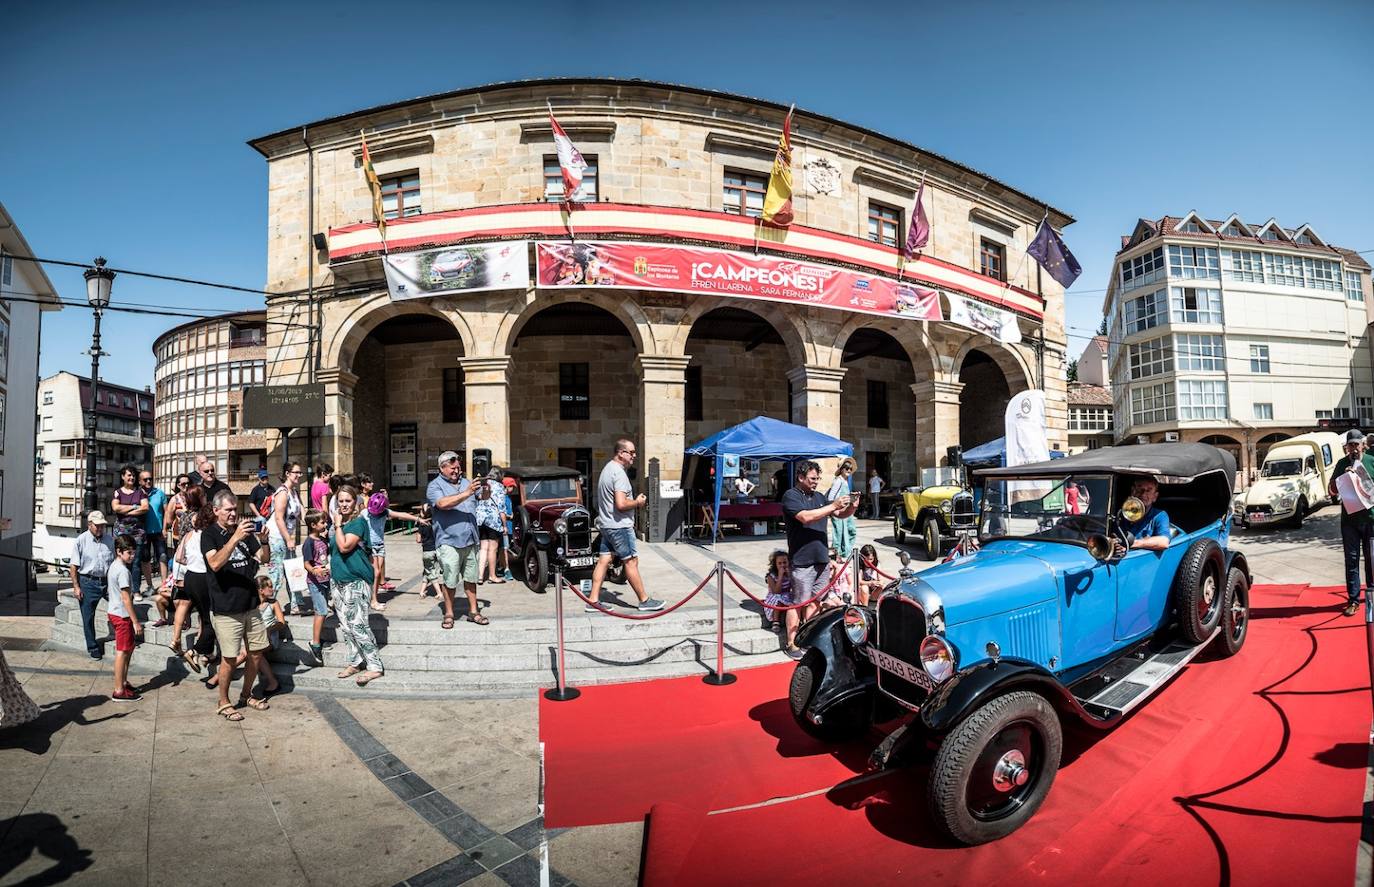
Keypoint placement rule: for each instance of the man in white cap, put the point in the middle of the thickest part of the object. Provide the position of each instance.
(1357, 527)
(92, 555)
(454, 516)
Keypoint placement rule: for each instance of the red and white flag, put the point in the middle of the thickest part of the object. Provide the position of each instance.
(570, 160)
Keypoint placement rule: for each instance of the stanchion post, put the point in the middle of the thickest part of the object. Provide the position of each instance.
(854, 583)
(1369, 645)
(561, 693)
(720, 677)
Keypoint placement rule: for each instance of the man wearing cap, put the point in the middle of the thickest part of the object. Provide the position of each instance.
(92, 555)
(454, 516)
(262, 492)
(1357, 527)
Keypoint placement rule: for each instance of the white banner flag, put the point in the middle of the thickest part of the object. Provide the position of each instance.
(1025, 429)
(1000, 325)
(437, 272)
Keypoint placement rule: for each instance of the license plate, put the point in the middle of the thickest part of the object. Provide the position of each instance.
(904, 670)
(1258, 518)
(581, 561)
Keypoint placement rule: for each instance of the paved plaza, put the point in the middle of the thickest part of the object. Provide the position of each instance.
(372, 789)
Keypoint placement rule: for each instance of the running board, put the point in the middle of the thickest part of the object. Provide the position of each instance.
(1133, 680)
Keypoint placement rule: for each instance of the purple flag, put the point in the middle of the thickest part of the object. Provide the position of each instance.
(1053, 255)
(918, 235)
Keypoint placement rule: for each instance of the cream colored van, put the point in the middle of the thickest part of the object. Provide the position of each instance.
(1292, 482)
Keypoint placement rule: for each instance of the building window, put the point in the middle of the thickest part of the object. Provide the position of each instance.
(992, 259)
(574, 394)
(1091, 419)
(1194, 261)
(66, 508)
(1143, 269)
(1190, 304)
(69, 450)
(1191, 227)
(47, 398)
(877, 404)
(1323, 414)
(1094, 443)
(128, 402)
(111, 398)
(47, 423)
(1205, 353)
(1259, 358)
(587, 192)
(244, 335)
(1152, 358)
(1244, 265)
(1147, 311)
(455, 396)
(401, 195)
(1270, 234)
(692, 410)
(1152, 403)
(1353, 291)
(883, 223)
(1201, 399)
(743, 193)
(1364, 409)
(6, 271)
(1321, 274)
(1263, 410)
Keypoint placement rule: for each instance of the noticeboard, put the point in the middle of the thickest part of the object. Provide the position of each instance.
(283, 406)
(403, 445)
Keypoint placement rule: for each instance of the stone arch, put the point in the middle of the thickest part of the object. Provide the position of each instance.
(919, 348)
(1264, 444)
(616, 303)
(1009, 360)
(795, 336)
(368, 314)
(872, 352)
(1230, 445)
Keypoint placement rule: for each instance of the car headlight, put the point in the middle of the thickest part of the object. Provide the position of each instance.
(1287, 502)
(947, 506)
(560, 526)
(856, 624)
(937, 658)
(559, 551)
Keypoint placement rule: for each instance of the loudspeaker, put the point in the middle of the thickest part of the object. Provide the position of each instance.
(481, 462)
(954, 455)
(320, 241)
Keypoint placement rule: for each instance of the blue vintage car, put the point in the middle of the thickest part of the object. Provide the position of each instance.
(1063, 614)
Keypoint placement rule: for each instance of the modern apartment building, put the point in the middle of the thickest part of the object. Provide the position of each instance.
(201, 371)
(123, 436)
(1236, 334)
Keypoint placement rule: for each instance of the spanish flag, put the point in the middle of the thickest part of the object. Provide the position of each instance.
(777, 203)
(375, 187)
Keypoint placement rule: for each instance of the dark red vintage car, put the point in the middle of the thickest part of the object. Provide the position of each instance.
(552, 528)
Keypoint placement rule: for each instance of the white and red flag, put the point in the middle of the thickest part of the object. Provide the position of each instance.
(570, 160)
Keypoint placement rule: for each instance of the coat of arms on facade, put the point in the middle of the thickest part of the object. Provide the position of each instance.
(822, 176)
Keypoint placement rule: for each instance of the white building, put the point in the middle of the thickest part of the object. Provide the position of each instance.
(25, 293)
(1236, 334)
(123, 435)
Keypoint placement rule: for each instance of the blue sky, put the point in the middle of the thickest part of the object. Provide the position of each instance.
(126, 131)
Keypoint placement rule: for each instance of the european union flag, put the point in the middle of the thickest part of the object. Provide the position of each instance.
(1053, 255)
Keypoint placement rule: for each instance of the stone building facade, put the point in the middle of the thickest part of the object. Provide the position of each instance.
(673, 165)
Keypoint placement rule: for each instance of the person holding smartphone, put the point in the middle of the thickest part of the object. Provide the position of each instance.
(233, 552)
(844, 531)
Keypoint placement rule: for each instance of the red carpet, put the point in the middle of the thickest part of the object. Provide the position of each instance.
(1248, 771)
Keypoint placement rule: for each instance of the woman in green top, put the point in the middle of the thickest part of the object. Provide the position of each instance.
(350, 574)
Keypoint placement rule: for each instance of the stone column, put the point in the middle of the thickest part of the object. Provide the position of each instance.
(816, 404)
(937, 420)
(485, 387)
(336, 438)
(662, 387)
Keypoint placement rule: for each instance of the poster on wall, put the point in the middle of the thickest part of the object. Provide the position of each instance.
(469, 269)
(1000, 325)
(404, 444)
(686, 269)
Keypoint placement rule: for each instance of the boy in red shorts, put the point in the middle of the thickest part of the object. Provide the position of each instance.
(123, 617)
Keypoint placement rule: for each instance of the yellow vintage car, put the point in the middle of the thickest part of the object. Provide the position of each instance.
(936, 510)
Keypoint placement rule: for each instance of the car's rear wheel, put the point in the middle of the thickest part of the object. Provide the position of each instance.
(840, 722)
(898, 531)
(1235, 621)
(930, 537)
(1199, 592)
(994, 770)
(536, 564)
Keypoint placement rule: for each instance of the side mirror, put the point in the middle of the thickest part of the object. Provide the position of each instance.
(1132, 509)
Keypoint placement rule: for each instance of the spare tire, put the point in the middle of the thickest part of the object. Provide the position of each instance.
(1199, 594)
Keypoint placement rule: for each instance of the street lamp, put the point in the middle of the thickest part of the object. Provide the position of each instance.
(99, 282)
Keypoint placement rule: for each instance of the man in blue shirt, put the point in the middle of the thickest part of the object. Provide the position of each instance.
(1151, 532)
(454, 515)
(154, 552)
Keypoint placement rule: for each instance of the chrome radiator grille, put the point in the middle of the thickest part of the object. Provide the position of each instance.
(901, 628)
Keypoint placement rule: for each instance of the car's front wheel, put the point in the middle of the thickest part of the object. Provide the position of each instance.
(536, 563)
(994, 770)
(846, 720)
(1298, 514)
(930, 537)
(1235, 620)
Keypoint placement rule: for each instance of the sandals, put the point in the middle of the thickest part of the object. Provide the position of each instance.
(379, 607)
(254, 703)
(477, 618)
(229, 713)
(348, 672)
(367, 677)
(189, 656)
(447, 623)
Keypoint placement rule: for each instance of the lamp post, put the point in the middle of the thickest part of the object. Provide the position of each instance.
(99, 281)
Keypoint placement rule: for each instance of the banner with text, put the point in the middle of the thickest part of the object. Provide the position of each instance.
(437, 272)
(1000, 325)
(685, 269)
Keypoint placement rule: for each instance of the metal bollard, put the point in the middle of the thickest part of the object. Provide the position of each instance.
(561, 693)
(854, 578)
(720, 677)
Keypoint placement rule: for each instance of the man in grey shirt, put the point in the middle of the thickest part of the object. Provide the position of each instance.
(615, 518)
(90, 562)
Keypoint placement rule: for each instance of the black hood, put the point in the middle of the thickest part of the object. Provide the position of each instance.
(1167, 463)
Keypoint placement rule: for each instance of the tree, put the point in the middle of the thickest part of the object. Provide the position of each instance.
(1102, 330)
(1073, 371)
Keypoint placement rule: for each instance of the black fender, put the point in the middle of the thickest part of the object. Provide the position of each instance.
(972, 687)
(846, 673)
(542, 539)
(1237, 560)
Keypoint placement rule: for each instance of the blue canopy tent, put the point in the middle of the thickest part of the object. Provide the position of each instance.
(994, 453)
(762, 438)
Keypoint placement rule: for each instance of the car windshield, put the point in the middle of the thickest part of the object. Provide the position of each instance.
(1070, 509)
(939, 477)
(551, 488)
(1281, 468)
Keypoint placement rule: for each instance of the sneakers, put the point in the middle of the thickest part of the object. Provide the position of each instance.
(596, 606)
(508, 576)
(795, 653)
(650, 605)
(138, 598)
(317, 653)
(126, 694)
(1351, 608)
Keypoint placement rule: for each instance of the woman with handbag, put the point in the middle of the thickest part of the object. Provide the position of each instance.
(281, 535)
(192, 590)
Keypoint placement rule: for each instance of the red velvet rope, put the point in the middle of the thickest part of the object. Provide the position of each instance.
(839, 574)
(646, 616)
(874, 567)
